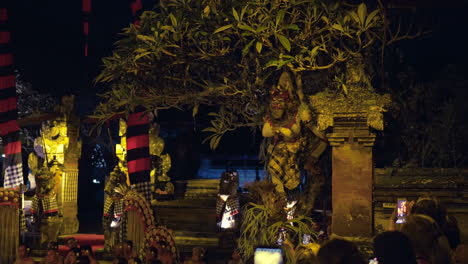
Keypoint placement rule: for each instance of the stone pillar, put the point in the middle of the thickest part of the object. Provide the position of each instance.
(350, 119)
(69, 190)
(352, 176)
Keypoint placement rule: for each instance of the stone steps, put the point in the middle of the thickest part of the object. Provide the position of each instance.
(201, 188)
(193, 217)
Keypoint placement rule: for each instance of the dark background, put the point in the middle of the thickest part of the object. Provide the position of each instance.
(48, 46)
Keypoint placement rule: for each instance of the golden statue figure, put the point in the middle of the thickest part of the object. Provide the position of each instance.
(55, 139)
(121, 149)
(160, 163)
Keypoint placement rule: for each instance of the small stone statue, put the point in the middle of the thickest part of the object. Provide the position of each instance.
(115, 186)
(44, 203)
(114, 190)
(160, 166)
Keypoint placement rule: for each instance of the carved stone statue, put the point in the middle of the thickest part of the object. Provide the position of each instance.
(117, 183)
(44, 203)
(114, 190)
(160, 165)
(285, 124)
(54, 136)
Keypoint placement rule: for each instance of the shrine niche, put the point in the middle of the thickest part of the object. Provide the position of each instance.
(351, 115)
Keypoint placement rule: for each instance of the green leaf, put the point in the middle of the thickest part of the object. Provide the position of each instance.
(370, 17)
(195, 110)
(243, 12)
(362, 13)
(285, 42)
(210, 129)
(246, 27)
(214, 142)
(206, 10)
(338, 27)
(173, 20)
(170, 28)
(222, 28)
(346, 19)
(140, 50)
(280, 16)
(146, 38)
(314, 51)
(141, 55)
(167, 52)
(246, 49)
(215, 124)
(259, 46)
(325, 19)
(235, 14)
(277, 63)
(260, 29)
(354, 16)
(292, 26)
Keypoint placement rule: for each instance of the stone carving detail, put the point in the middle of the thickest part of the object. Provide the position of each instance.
(357, 100)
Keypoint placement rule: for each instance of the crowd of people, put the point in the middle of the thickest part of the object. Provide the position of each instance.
(428, 236)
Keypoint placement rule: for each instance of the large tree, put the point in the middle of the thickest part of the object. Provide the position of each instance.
(187, 53)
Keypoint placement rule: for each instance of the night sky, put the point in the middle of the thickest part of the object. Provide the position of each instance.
(48, 41)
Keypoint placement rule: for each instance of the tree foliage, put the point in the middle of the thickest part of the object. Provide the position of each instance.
(187, 53)
(264, 215)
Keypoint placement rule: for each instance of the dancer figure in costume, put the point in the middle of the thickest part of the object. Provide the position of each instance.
(114, 190)
(227, 205)
(284, 124)
(44, 203)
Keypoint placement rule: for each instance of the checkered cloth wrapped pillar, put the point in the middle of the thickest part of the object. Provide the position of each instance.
(112, 207)
(44, 205)
(9, 130)
(86, 8)
(136, 6)
(138, 157)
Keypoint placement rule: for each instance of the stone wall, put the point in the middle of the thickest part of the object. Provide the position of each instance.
(449, 185)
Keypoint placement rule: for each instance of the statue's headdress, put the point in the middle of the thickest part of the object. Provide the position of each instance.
(283, 90)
